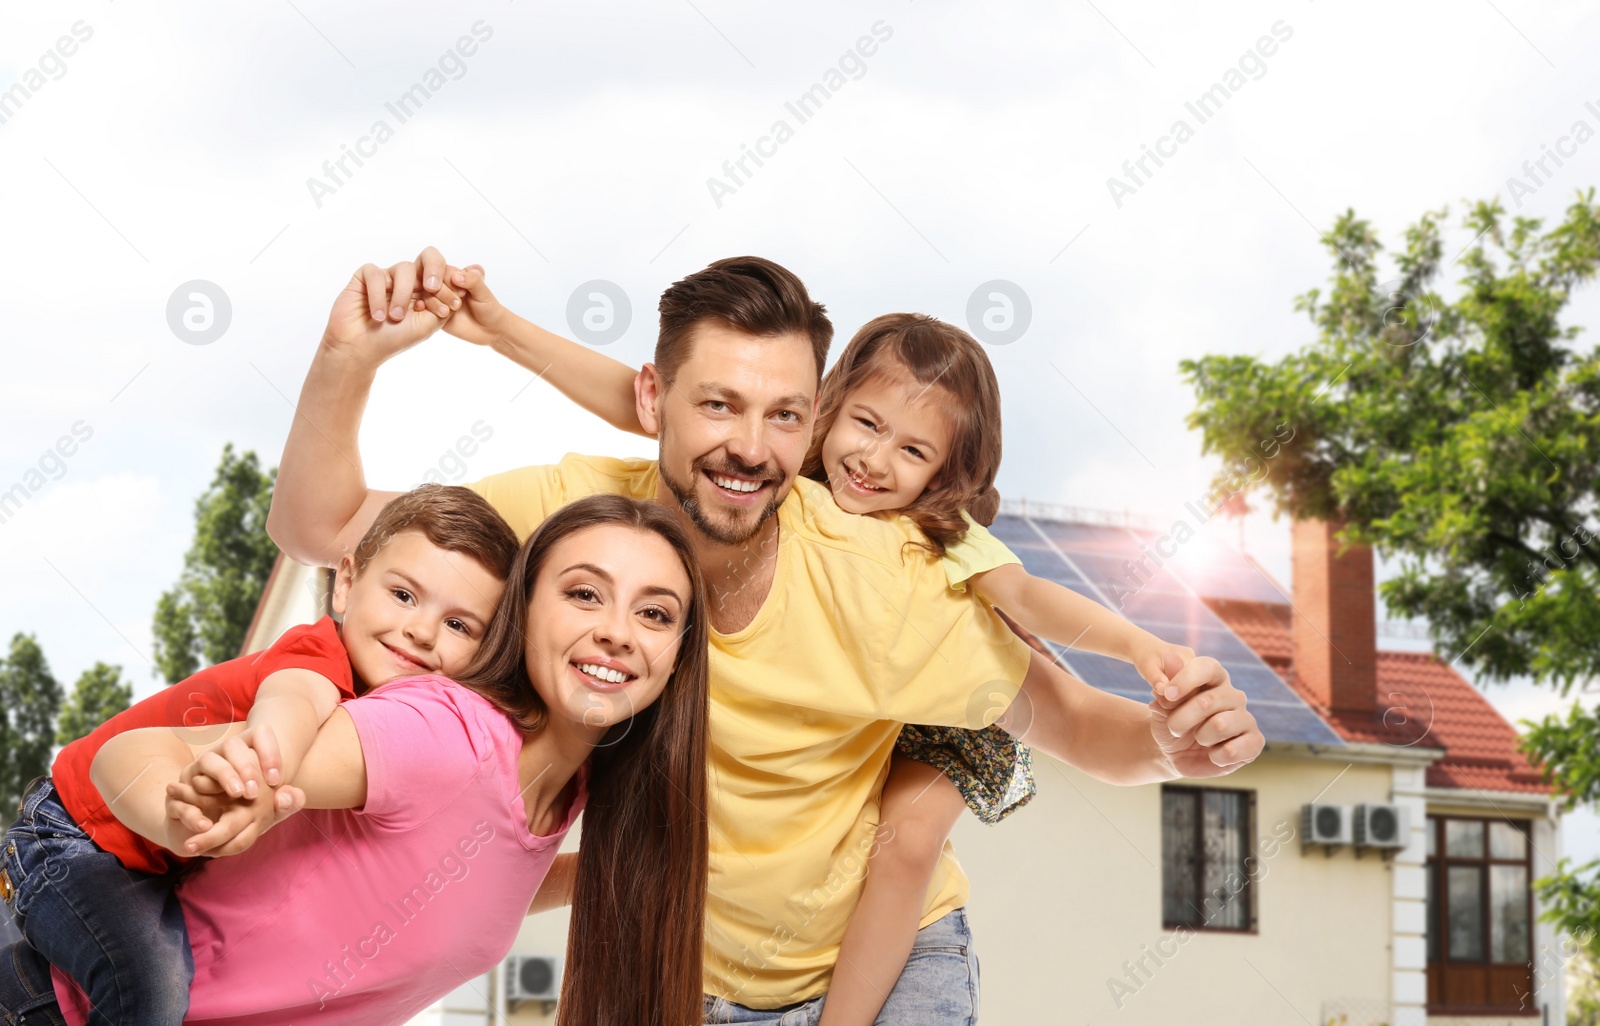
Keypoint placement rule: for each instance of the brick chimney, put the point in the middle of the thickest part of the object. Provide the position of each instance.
(1335, 623)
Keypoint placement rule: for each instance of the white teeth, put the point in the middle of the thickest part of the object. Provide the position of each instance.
(733, 485)
(605, 673)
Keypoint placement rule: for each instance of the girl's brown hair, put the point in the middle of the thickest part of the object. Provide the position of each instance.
(935, 355)
(634, 949)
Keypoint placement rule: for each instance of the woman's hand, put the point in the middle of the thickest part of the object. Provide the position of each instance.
(204, 822)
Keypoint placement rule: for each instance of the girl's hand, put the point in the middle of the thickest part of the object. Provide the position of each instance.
(479, 318)
(1158, 662)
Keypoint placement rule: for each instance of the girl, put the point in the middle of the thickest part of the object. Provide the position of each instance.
(908, 423)
(447, 802)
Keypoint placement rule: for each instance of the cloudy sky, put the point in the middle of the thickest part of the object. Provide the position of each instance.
(949, 146)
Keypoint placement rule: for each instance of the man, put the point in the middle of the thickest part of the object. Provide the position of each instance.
(827, 635)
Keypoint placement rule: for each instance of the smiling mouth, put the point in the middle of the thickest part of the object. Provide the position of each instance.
(735, 485)
(860, 481)
(603, 678)
(405, 659)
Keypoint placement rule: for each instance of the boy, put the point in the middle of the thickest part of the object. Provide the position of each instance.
(95, 897)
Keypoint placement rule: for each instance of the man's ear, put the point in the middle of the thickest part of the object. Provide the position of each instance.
(648, 391)
(343, 578)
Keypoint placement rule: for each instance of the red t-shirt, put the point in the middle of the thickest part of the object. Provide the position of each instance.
(217, 695)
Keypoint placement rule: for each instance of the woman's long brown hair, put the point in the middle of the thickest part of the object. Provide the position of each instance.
(938, 356)
(634, 947)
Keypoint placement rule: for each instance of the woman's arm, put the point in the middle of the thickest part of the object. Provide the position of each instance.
(556, 890)
(333, 773)
(1060, 614)
(133, 769)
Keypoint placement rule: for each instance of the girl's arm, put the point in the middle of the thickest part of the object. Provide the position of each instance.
(596, 382)
(1060, 614)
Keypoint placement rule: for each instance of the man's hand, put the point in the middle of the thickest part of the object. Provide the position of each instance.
(205, 823)
(383, 312)
(1205, 731)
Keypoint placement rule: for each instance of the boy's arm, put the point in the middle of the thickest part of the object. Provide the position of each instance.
(594, 381)
(133, 769)
(1060, 614)
(290, 708)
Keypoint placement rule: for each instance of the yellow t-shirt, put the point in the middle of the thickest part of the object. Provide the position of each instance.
(974, 553)
(858, 636)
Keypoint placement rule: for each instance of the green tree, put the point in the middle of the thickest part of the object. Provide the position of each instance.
(29, 698)
(204, 617)
(99, 695)
(1461, 439)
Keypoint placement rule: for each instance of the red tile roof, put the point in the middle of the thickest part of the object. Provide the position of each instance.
(1421, 702)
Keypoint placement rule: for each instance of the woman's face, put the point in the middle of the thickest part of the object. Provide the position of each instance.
(604, 623)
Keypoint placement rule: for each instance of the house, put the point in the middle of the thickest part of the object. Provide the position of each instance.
(1374, 865)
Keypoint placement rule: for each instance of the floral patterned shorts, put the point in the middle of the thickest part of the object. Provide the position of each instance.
(992, 769)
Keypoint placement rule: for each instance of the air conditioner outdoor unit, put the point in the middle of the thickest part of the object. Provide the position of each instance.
(1326, 825)
(533, 977)
(1382, 826)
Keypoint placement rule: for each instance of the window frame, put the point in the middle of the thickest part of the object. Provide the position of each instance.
(1484, 972)
(1248, 893)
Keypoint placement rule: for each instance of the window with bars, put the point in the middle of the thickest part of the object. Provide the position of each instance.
(1207, 834)
(1479, 915)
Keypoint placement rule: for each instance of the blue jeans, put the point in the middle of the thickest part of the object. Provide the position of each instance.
(938, 986)
(120, 934)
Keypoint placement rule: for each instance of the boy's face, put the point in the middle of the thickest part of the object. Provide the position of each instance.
(414, 609)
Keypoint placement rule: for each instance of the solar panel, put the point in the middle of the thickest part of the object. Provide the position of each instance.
(1124, 569)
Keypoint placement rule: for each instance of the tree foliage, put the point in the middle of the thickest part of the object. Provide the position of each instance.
(203, 618)
(99, 695)
(29, 698)
(1457, 436)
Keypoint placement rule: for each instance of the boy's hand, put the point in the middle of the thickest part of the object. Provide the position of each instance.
(239, 766)
(1158, 662)
(200, 823)
(383, 312)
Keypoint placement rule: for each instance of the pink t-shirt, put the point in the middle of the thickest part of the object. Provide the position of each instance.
(370, 915)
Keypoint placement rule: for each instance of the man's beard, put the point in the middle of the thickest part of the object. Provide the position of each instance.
(718, 529)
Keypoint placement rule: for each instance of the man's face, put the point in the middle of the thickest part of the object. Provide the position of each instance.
(734, 426)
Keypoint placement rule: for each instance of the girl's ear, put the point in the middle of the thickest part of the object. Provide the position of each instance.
(343, 578)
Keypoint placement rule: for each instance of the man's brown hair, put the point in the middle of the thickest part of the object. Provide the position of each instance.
(749, 293)
(453, 518)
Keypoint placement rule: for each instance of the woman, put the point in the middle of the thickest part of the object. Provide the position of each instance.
(434, 810)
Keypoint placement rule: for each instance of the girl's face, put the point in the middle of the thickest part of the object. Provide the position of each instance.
(888, 443)
(604, 623)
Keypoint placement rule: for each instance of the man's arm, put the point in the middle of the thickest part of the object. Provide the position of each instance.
(1204, 732)
(321, 505)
